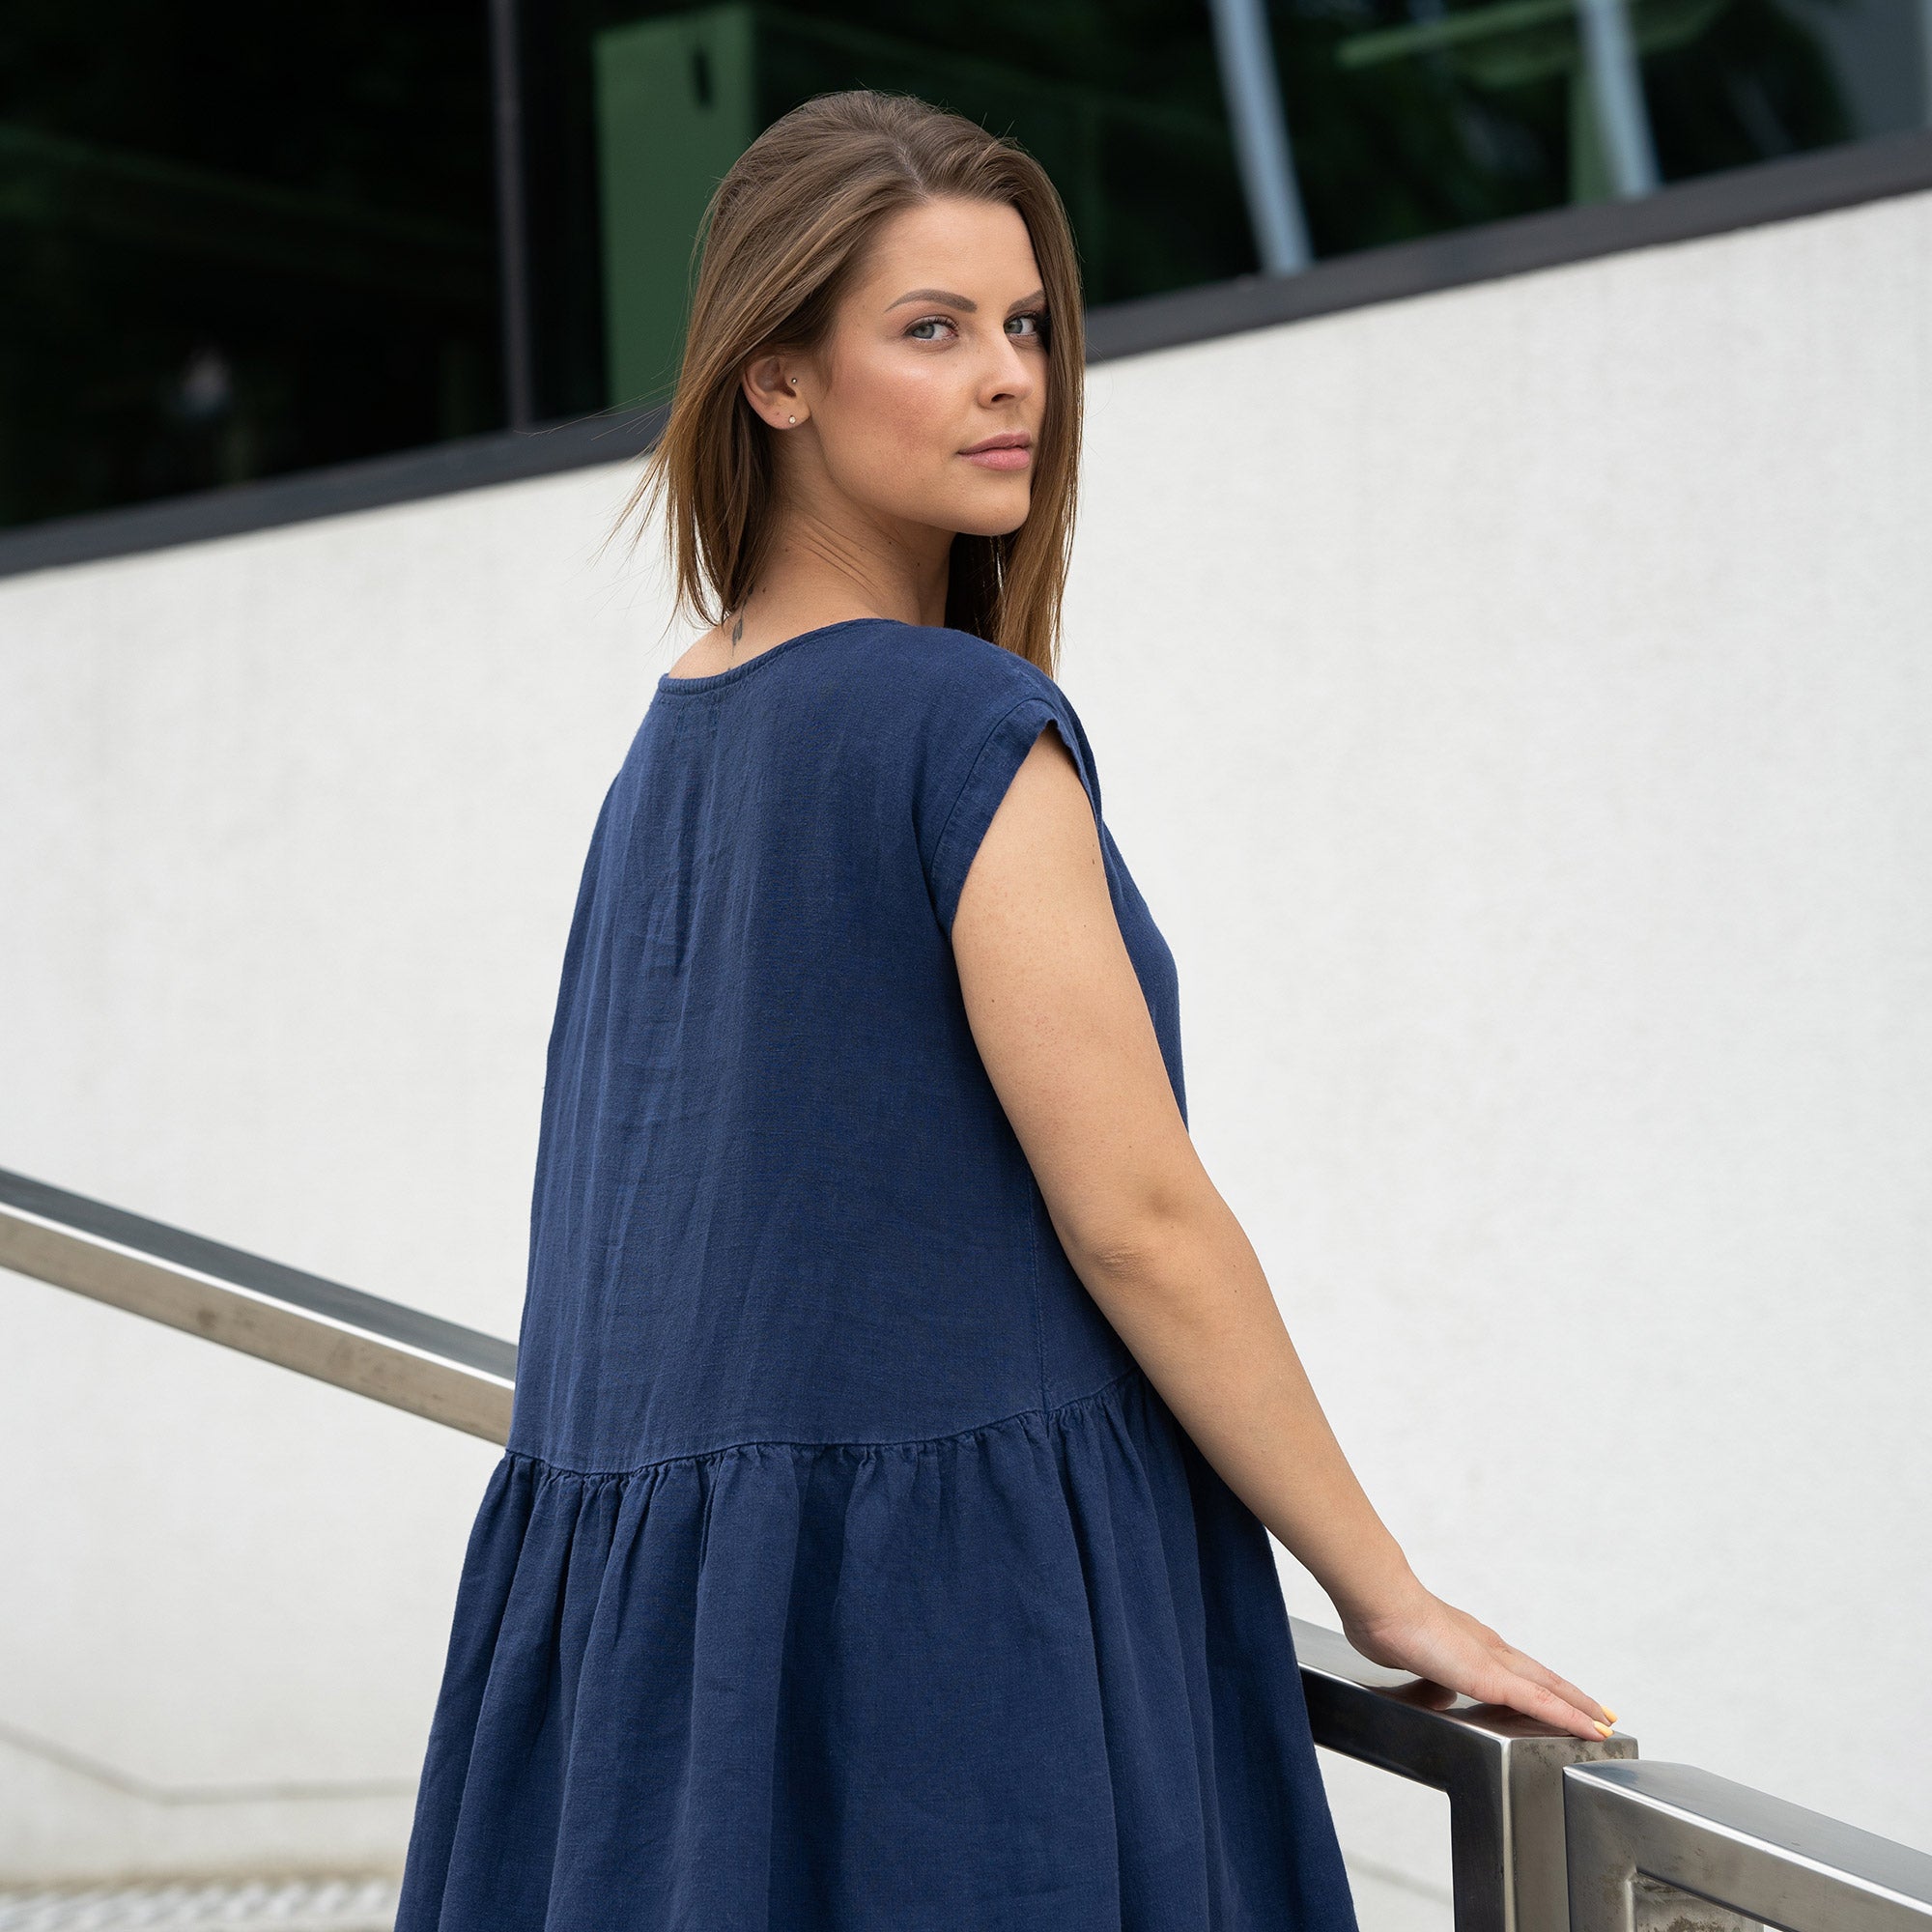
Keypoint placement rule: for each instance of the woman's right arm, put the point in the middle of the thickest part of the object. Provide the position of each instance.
(1064, 1029)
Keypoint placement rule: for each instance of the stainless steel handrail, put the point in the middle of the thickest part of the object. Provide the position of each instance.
(1500, 1772)
(1641, 1836)
(433, 1368)
(1547, 1833)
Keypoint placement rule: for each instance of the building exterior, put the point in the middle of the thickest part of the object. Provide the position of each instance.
(1510, 694)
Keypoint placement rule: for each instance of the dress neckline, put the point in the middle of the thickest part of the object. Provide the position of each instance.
(711, 680)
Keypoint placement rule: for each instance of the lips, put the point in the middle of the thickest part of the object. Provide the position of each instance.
(1010, 449)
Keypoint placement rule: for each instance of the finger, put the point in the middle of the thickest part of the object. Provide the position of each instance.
(1533, 1700)
(1500, 1684)
(1540, 1673)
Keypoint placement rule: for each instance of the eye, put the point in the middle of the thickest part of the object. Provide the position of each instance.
(924, 323)
(1029, 327)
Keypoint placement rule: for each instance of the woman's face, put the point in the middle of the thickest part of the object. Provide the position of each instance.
(924, 402)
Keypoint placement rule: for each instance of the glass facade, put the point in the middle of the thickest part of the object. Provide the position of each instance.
(236, 240)
(240, 241)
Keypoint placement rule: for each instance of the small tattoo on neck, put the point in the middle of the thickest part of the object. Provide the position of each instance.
(738, 630)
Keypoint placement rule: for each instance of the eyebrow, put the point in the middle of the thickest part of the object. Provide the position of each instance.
(951, 300)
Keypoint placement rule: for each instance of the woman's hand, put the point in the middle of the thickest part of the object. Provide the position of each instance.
(1448, 1646)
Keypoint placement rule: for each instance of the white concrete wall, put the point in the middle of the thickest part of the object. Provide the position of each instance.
(293, 831)
(1513, 703)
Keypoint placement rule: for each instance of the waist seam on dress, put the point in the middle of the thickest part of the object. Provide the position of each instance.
(788, 1442)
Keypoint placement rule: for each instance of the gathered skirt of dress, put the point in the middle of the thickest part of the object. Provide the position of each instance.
(1036, 1675)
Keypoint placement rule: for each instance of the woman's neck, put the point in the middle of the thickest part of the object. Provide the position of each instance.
(823, 571)
(820, 570)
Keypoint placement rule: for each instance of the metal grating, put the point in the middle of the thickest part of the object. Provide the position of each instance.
(363, 1904)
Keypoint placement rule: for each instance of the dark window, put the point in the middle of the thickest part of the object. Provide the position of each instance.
(241, 240)
(238, 240)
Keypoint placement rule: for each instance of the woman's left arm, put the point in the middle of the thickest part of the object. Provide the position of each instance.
(1064, 1029)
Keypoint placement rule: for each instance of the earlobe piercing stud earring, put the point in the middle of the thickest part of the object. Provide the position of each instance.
(791, 419)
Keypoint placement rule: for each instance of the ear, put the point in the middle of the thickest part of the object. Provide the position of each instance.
(771, 386)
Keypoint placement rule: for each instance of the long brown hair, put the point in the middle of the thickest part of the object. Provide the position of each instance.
(780, 240)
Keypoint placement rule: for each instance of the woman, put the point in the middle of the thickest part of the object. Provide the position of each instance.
(879, 1545)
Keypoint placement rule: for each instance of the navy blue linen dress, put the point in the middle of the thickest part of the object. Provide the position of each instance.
(844, 1571)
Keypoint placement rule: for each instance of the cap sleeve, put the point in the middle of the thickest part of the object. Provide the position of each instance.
(975, 782)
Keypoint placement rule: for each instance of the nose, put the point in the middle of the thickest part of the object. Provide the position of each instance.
(1012, 374)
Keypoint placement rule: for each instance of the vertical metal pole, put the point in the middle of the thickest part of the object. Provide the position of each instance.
(1616, 88)
(513, 246)
(1925, 58)
(1246, 50)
